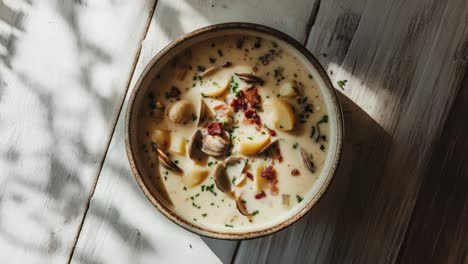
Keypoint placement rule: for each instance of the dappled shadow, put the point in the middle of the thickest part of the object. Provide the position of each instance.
(58, 105)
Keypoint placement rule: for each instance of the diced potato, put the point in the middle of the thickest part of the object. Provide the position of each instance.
(278, 114)
(177, 145)
(287, 90)
(216, 84)
(195, 176)
(260, 182)
(252, 141)
(285, 200)
(161, 138)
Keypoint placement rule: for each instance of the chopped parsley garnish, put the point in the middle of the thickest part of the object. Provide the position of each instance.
(251, 138)
(204, 215)
(210, 163)
(211, 189)
(299, 198)
(176, 161)
(212, 60)
(220, 52)
(310, 76)
(342, 83)
(322, 147)
(295, 145)
(185, 188)
(254, 213)
(226, 225)
(194, 117)
(203, 188)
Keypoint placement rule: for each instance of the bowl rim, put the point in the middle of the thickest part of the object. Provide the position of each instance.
(170, 214)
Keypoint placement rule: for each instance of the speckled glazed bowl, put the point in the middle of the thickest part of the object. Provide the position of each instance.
(335, 121)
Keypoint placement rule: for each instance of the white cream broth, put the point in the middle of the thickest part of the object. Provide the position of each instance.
(263, 198)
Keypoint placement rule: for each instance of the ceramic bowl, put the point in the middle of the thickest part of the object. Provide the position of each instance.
(290, 44)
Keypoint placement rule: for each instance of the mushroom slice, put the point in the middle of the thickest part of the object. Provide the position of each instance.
(241, 206)
(209, 71)
(307, 159)
(250, 78)
(166, 162)
(273, 145)
(221, 179)
(193, 147)
(216, 145)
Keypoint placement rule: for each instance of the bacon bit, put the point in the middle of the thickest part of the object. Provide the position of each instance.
(252, 97)
(295, 172)
(249, 175)
(239, 102)
(260, 195)
(271, 132)
(253, 118)
(254, 69)
(280, 157)
(269, 173)
(274, 188)
(173, 93)
(215, 129)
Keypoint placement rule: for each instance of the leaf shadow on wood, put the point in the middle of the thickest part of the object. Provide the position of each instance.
(364, 140)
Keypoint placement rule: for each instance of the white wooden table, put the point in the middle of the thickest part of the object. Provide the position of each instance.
(66, 190)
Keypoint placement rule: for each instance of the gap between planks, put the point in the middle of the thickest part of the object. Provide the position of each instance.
(127, 86)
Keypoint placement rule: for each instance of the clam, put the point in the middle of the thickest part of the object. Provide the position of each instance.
(234, 167)
(209, 71)
(181, 111)
(203, 112)
(221, 179)
(250, 78)
(240, 204)
(165, 161)
(273, 145)
(307, 159)
(216, 145)
(194, 145)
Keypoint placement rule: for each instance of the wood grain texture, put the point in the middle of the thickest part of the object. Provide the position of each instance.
(438, 232)
(63, 73)
(403, 61)
(121, 224)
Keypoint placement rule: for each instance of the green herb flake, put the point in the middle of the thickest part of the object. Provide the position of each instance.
(254, 213)
(220, 52)
(185, 188)
(212, 60)
(251, 138)
(226, 225)
(204, 215)
(322, 147)
(210, 163)
(295, 145)
(342, 83)
(299, 198)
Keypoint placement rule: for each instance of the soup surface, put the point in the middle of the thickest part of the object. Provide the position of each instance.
(234, 132)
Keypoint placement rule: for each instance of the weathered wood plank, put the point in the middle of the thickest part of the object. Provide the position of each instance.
(403, 61)
(63, 74)
(438, 232)
(117, 190)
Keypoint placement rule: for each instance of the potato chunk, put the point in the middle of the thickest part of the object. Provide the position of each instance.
(252, 141)
(260, 182)
(216, 84)
(161, 138)
(177, 145)
(278, 114)
(195, 176)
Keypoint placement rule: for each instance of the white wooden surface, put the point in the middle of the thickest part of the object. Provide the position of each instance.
(120, 218)
(64, 72)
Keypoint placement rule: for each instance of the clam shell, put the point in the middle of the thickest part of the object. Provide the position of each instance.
(221, 179)
(209, 71)
(216, 145)
(166, 162)
(194, 145)
(241, 206)
(307, 159)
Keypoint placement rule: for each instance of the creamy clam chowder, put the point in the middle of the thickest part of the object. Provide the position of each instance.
(234, 131)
